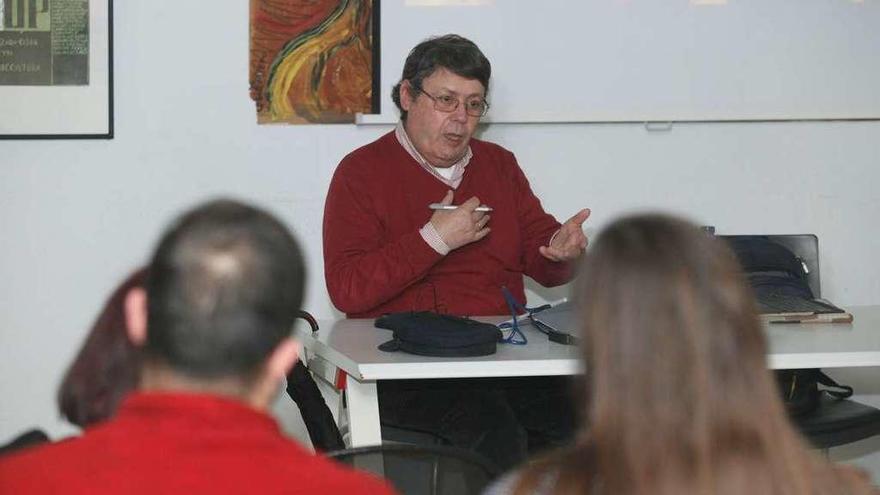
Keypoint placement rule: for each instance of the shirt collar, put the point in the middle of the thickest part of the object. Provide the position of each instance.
(207, 409)
(457, 167)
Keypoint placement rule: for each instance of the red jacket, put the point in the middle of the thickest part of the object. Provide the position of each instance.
(177, 444)
(376, 262)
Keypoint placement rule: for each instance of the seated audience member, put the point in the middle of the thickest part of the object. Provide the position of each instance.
(677, 398)
(105, 369)
(214, 323)
(107, 366)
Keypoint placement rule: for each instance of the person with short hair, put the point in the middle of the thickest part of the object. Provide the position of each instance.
(386, 250)
(107, 368)
(677, 397)
(214, 323)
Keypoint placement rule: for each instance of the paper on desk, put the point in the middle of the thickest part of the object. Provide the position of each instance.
(808, 318)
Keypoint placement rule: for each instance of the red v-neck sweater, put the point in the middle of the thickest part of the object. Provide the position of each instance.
(376, 262)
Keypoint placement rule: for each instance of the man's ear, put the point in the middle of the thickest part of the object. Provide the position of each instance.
(406, 95)
(136, 316)
(282, 359)
(275, 370)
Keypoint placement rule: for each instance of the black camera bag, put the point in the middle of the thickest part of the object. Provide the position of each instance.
(430, 334)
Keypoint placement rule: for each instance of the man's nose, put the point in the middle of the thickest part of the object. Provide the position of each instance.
(460, 112)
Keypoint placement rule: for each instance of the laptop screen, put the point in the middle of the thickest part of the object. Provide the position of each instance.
(804, 246)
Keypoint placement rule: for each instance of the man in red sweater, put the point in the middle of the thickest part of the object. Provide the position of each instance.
(386, 251)
(225, 284)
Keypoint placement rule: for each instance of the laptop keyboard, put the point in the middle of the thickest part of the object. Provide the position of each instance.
(770, 303)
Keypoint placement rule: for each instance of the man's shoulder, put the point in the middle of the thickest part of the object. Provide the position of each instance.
(84, 465)
(495, 160)
(486, 151)
(373, 154)
(479, 146)
(40, 465)
(72, 453)
(36, 453)
(372, 168)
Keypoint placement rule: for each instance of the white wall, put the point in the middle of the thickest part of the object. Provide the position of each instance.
(684, 60)
(76, 216)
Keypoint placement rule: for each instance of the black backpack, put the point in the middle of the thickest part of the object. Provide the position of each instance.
(801, 391)
(773, 268)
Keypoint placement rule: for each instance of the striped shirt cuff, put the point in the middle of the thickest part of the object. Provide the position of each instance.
(432, 237)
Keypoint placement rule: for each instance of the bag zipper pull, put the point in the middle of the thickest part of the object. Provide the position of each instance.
(804, 265)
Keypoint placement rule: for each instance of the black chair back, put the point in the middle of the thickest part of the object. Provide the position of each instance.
(423, 469)
(301, 387)
(29, 438)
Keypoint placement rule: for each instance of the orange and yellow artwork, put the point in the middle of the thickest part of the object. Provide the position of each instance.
(312, 61)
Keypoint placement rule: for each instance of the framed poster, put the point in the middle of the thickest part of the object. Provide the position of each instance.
(56, 69)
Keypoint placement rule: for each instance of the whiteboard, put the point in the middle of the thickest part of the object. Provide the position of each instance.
(654, 60)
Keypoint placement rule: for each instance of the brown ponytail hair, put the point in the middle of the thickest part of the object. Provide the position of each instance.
(107, 366)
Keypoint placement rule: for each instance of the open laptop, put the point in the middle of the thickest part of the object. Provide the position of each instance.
(560, 318)
(783, 308)
(773, 308)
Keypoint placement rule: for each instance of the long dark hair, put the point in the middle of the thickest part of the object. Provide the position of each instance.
(678, 396)
(107, 366)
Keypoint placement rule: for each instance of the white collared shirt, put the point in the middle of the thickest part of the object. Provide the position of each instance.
(451, 176)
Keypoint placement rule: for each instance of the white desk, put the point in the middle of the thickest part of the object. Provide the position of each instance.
(350, 346)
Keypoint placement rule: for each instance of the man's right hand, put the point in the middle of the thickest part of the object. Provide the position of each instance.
(461, 226)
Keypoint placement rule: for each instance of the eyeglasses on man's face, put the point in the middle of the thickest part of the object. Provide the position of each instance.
(475, 106)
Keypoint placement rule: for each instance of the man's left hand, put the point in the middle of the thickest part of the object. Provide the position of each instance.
(570, 241)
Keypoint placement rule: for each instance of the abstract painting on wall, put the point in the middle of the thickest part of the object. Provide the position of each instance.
(314, 61)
